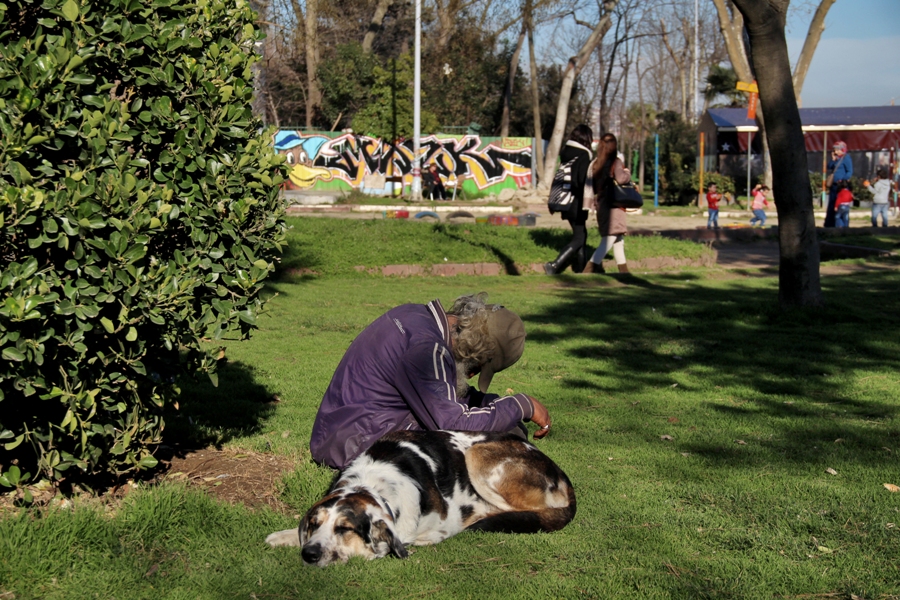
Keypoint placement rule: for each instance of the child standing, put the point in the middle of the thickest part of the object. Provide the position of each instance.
(882, 191)
(842, 204)
(712, 202)
(760, 202)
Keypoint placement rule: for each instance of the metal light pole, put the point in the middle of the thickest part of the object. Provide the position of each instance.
(694, 117)
(417, 94)
(656, 171)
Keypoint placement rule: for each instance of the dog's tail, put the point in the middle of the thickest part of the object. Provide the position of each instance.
(529, 521)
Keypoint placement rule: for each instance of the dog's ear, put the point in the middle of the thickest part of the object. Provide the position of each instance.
(381, 533)
(302, 529)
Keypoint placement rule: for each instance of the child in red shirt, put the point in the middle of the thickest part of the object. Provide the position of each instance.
(842, 204)
(712, 203)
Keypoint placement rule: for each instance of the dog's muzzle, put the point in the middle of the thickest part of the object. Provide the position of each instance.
(311, 553)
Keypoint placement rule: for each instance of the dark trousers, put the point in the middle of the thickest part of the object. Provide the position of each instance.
(579, 230)
(436, 191)
(829, 212)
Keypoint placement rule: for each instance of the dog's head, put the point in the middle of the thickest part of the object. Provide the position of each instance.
(345, 524)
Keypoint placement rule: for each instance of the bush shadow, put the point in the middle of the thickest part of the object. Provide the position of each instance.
(208, 415)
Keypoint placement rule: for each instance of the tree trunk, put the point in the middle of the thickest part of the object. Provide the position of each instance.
(298, 14)
(446, 17)
(573, 68)
(537, 167)
(798, 275)
(375, 24)
(678, 63)
(816, 27)
(314, 95)
(732, 28)
(641, 137)
(507, 94)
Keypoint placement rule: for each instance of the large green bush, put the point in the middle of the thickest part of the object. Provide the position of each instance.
(139, 213)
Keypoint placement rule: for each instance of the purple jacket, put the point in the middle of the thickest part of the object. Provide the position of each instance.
(399, 373)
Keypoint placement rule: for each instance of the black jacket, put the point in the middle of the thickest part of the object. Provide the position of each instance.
(579, 175)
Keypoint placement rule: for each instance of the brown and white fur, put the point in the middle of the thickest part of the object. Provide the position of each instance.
(421, 487)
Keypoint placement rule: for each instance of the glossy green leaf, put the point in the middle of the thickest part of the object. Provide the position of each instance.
(70, 10)
(10, 353)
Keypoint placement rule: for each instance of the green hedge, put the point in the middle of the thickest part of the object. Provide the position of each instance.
(139, 213)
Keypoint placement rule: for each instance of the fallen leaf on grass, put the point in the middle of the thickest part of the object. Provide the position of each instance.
(674, 385)
(824, 549)
(673, 419)
(152, 570)
(285, 434)
(509, 391)
(839, 440)
(666, 438)
(741, 442)
(830, 471)
(891, 487)
(685, 454)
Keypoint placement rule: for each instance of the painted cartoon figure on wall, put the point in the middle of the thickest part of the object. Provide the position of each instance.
(348, 160)
(300, 153)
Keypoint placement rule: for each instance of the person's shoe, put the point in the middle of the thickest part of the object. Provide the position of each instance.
(595, 268)
(562, 261)
(623, 268)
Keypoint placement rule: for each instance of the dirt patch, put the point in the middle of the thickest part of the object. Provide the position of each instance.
(248, 478)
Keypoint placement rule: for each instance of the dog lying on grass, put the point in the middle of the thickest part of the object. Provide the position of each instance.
(421, 487)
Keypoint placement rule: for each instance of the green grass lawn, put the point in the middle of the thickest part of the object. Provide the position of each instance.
(697, 422)
(336, 246)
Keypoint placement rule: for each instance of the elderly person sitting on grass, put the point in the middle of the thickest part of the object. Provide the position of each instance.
(410, 368)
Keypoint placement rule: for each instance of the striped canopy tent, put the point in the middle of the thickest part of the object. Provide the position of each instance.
(864, 129)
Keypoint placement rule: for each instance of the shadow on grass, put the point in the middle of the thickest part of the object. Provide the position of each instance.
(554, 238)
(802, 374)
(211, 416)
(509, 265)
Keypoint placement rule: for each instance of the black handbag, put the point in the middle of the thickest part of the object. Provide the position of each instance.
(625, 195)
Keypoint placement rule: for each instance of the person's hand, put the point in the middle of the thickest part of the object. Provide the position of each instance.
(541, 418)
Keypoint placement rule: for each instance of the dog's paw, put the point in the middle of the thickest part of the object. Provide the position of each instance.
(287, 537)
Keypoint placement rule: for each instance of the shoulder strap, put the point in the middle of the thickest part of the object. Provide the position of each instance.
(577, 145)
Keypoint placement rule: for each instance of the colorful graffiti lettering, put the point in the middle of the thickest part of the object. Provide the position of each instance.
(320, 161)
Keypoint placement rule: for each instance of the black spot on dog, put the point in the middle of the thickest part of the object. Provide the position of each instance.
(466, 511)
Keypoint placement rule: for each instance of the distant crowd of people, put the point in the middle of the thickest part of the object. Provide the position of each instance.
(592, 175)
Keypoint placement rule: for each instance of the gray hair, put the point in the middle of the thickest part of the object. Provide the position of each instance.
(471, 341)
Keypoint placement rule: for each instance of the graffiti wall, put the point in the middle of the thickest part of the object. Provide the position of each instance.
(341, 161)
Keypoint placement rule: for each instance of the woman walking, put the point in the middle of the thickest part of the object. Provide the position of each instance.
(611, 219)
(579, 148)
